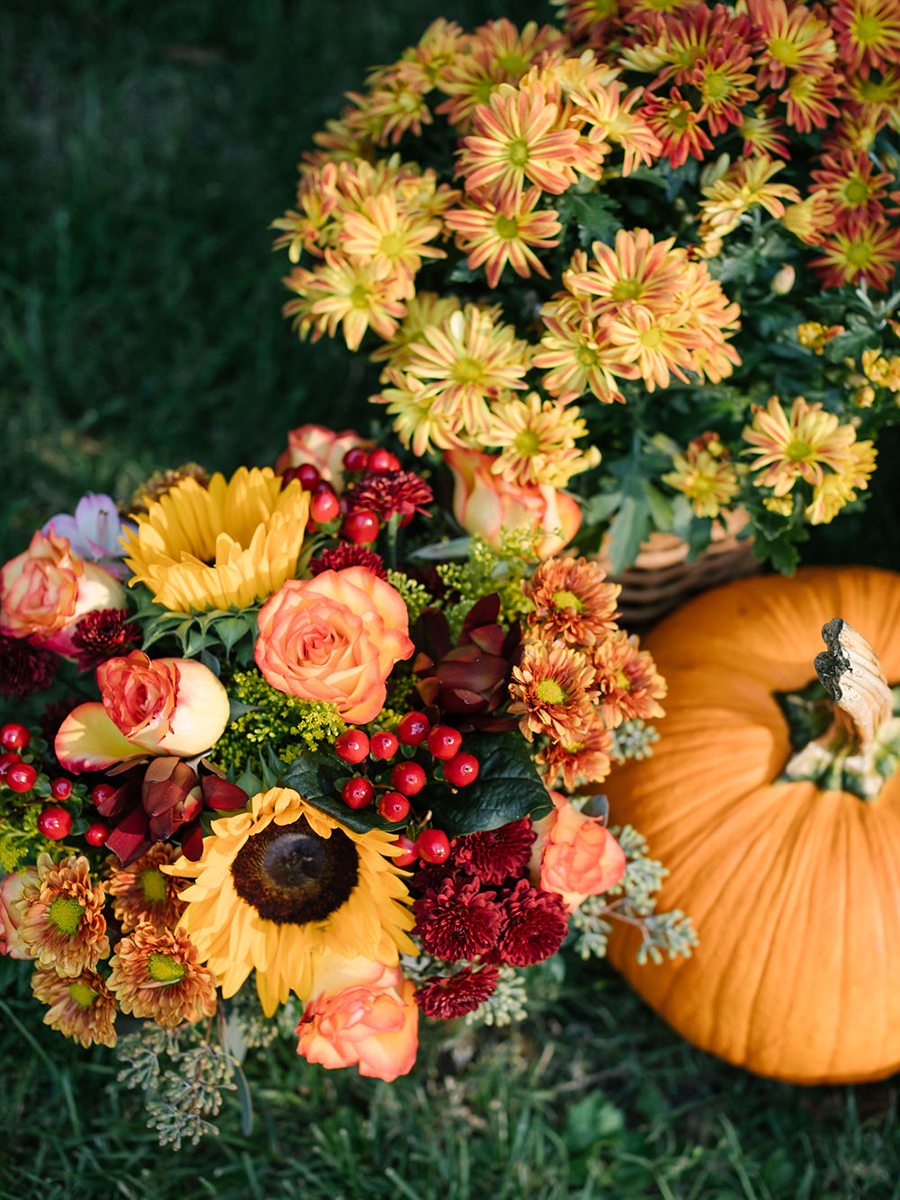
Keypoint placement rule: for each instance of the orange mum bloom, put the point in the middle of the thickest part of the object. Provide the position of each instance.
(587, 760)
(794, 39)
(870, 251)
(572, 601)
(851, 189)
(868, 34)
(517, 137)
(578, 362)
(63, 925)
(537, 442)
(550, 687)
(798, 446)
(492, 238)
(627, 683)
(158, 975)
(81, 1007)
(808, 99)
(342, 293)
(395, 103)
(392, 242)
(677, 126)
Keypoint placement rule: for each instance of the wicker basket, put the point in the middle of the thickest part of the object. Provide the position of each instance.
(662, 578)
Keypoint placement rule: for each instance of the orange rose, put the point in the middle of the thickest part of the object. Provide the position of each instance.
(487, 506)
(10, 914)
(172, 706)
(45, 590)
(322, 448)
(361, 1012)
(334, 638)
(574, 855)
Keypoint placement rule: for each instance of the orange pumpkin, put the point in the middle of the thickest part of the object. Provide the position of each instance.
(794, 889)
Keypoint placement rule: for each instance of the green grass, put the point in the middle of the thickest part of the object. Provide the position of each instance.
(143, 152)
(591, 1098)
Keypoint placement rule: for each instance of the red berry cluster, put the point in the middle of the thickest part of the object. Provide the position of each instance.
(393, 785)
(54, 822)
(360, 526)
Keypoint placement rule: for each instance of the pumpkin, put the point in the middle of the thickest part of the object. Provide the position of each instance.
(793, 884)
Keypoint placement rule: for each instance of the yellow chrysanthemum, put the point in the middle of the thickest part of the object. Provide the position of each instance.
(281, 886)
(231, 543)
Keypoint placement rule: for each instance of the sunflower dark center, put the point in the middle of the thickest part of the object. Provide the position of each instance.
(292, 876)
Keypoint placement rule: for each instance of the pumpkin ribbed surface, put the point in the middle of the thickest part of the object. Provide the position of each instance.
(794, 892)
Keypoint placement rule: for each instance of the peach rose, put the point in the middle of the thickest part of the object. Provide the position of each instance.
(486, 505)
(171, 706)
(574, 855)
(334, 638)
(322, 448)
(45, 590)
(361, 1012)
(10, 914)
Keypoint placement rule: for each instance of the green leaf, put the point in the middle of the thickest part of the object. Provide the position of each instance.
(660, 507)
(630, 526)
(508, 788)
(315, 777)
(600, 508)
(231, 630)
(594, 212)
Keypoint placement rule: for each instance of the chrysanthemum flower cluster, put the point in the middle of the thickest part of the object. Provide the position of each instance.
(302, 767)
(644, 206)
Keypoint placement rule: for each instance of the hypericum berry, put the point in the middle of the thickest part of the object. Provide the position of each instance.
(383, 745)
(308, 476)
(410, 853)
(60, 789)
(361, 527)
(324, 507)
(444, 741)
(413, 729)
(408, 778)
(102, 792)
(381, 460)
(54, 823)
(461, 770)
(21, 777)
(7, 760)
(355, 459)
(96, 834)
(357, 792)
(14, 737)
(393, 807)
(352, 745)
(433, 845)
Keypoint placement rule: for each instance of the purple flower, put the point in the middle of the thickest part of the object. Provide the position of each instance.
(93, 531)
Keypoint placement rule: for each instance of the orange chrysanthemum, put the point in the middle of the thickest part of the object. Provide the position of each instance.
(492, 238)
(677, 126)
(80, 1006)
(142, 894)
(63, 925)
(870, 251)
(537, 442)
(794, 39)
(588, 760)
(393, 242)
(626, 681)
(848, 184)
(343, 293)
(517, 137)
(705, 475)
(551, 689)
(796, 446)
(573, 601)
(867, 34)
(158, 975)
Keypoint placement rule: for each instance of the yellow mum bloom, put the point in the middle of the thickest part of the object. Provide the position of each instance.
(282, 886)
(231, 543)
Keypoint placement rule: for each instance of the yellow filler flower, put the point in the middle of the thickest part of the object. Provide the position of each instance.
(279, 887)
(229, 544)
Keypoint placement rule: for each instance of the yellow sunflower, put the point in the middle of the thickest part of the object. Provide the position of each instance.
(229, 543)
(281, 886)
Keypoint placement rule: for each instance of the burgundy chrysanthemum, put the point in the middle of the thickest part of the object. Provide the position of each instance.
(345, 554)
(23, 668)
(536, 923)
(458, 920)
(102, 634)
(448, 996)
(495, 854)
(389, 492)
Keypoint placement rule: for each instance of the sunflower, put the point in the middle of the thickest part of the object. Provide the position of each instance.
(280, 886)
(231, 543)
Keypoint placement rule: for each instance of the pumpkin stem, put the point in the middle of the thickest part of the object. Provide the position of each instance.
(858, 750)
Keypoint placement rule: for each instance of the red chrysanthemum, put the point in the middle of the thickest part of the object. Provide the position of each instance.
(23, 668)
(345, 554)
(536, 923)
(446, 996)
(389, 492)
(458, 920)
(102, 634)
(495, 854)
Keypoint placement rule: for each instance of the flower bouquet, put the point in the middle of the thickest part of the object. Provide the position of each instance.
(276, 768)
(664, 233)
